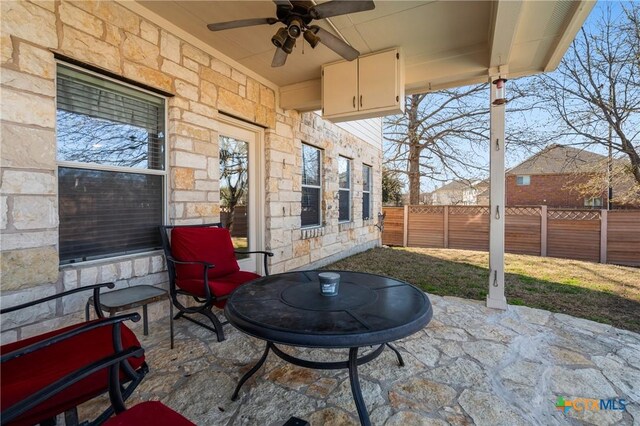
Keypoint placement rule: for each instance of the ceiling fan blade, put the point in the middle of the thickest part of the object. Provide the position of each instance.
(279, 58)
(285, 3)
(336, 44)
(219, 26)
(340, 7)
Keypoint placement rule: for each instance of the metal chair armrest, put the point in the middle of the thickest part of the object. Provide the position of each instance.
(135, 317)
(264, 253)
(206, 265)
(96, 292)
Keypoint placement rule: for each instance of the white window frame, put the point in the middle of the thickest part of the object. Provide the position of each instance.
(347, 190)
(367, 190)
(591, 202)
(102, 167)
(523, 180)
(319, 186)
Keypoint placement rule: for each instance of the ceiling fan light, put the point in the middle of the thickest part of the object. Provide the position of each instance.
(280, 37)
(289, 44)
(311, 38)
(295, 28)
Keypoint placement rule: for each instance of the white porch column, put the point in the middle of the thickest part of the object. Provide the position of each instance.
(496, 298)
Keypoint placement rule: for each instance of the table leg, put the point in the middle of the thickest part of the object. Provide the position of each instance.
(145, 320)
(400, 360)
(171, 321)
(355, 388)
(251, 372)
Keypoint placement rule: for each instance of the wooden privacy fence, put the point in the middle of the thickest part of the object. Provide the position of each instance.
(239, 220)
(593, 235)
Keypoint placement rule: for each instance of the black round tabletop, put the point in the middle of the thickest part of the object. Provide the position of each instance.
(288, 308)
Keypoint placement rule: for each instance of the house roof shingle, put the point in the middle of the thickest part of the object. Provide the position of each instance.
(557, 159)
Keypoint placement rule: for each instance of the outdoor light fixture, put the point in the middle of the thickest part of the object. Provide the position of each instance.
(280, 38)
(500, 98)
(311, 38)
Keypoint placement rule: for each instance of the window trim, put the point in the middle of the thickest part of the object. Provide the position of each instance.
(303, 185)
(367, 191)
(101, 167)
(590, 202)
(528, 180)
(348, 190)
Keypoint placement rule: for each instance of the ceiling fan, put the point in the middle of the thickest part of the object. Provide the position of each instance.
(297, 15)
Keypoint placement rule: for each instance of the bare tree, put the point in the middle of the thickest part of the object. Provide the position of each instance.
(391, 188)
(597, 179)
(595, 92)
(445, 134)
(87, 139)
(234, 180)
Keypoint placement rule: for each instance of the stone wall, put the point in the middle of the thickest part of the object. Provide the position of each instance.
(109, 36)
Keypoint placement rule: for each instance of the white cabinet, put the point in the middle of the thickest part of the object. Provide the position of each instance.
(342, 78)
(371, 86)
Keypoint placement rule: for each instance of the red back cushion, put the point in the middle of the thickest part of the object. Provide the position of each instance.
(27, 374)
(212, 245)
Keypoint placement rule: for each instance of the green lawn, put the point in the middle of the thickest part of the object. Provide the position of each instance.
(605, 293)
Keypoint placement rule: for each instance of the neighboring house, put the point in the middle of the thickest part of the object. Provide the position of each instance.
(552, 176)
(457, 192)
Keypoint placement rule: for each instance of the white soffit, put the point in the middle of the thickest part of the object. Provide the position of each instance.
(445, 43)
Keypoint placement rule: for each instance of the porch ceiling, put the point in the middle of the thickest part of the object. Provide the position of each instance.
(445, 43)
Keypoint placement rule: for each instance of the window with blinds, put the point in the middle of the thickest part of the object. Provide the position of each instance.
(110, 149)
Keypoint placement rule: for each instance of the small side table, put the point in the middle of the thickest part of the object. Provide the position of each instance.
(133, 297)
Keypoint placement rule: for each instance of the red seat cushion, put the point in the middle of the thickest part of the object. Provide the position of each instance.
(151, 413)
(205, 244)
(219, 286)
(25, 375)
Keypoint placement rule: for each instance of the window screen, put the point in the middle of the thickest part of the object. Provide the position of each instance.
(311, 186)
(366, 192)
(344, 179)
(110, 145)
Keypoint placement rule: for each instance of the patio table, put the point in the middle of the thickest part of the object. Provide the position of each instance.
(288, 309)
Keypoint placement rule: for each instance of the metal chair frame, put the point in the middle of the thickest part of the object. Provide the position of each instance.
(134, 377)
(205, 306)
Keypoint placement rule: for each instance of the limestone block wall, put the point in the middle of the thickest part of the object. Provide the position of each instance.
(136, 46)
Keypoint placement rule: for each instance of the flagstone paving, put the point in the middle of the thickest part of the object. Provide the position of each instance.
(470, 365)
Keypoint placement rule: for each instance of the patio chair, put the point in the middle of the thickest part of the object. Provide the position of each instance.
(36, 369)
(202, 265)
(149, 413)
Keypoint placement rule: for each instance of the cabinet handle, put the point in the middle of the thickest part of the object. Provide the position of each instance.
(354, 101)
(360, 101)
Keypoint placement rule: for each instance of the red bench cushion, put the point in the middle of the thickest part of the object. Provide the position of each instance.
(151, 413)
(205, 244)
(25, 375)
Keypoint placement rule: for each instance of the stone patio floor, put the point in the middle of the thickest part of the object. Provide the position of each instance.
(470, 365)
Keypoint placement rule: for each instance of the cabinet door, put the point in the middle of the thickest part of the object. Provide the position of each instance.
(340, 88)
(378, 80)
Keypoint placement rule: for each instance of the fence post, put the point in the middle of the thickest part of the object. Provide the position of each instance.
(446, 227)
(543, 231)
(603, 236)
(405, 225)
